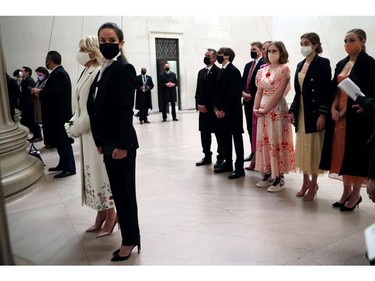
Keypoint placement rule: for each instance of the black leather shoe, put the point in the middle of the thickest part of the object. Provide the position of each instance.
(204, 161)
(218, 163)
(223, 168)
(175, 119)
(236, 175)
(249, 158)
(55, 169)
(64, 174)
(164, 120)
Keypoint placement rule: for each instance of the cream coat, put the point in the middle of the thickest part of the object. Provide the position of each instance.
(96, 190)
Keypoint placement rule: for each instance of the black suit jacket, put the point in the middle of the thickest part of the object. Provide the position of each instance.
(205, 95)
(56, 102)
(169, 94)
(228, 98)
(252, 87)
(316, 92)
(146, 95)
(111, 112)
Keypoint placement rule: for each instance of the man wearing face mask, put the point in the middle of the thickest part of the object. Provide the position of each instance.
(228, 110)
(143, 101)
(249, 90)
(168, 84)
(56, 102)
(204, 97)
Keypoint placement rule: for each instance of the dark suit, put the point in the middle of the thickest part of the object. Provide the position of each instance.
(228, 99)
(358, 126)
(205, 95)
(252, 90)
(56, 101)
(111, 119)
(143, 100)
(13, 94)
(168, 94)
(27, 107)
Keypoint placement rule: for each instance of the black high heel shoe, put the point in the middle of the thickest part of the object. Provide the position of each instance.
(346, 209)
(339, 205)
(117, 257)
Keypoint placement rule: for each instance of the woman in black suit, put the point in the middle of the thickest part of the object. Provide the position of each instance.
(110, 107)
(309, 110)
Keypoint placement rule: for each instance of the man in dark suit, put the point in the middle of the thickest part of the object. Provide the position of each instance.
(27, 105)
(228, 110)
(13, 93)
(168, 84)
(143, 101)
(249, 88)
(204, 97)
(56, 98)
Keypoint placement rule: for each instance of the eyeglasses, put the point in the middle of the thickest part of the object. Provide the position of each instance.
(272, 51)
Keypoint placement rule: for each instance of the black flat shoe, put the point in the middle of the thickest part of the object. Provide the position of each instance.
(64, 174)
(236, 175)
(55, 169)
(204, 161)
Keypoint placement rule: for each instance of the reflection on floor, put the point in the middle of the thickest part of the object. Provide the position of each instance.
(189, 215)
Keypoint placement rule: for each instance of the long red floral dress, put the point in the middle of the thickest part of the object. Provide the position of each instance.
(274, 144)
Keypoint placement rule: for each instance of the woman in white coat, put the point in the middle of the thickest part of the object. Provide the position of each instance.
(96, 191)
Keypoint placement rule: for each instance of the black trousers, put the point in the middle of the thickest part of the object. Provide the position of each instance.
(164, 110)
(143, 110)
(226, 139)
(206, 140)
(248, 107)
(121, 174)
(66, 161)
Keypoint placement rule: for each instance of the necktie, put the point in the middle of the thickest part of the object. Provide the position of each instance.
(249, 76)
(206, 73)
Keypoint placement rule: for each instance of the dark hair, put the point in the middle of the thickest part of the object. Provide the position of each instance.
(214, 53)
(113, 26)
(16, 72)
(258, 44)
(361, 35)
(314, 39)
(283, 58)
(28, 70)
(228, 52)
(43, 70)
(54, 56)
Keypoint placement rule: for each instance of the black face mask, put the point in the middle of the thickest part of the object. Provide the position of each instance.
(143, 72)
(166, 69)
(220, 59)
(206, 60)
(253, 55)
(108, 50)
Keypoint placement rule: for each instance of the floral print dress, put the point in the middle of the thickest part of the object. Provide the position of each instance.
(274, 145)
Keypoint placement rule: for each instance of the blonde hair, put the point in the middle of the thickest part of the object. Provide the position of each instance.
(91, 44)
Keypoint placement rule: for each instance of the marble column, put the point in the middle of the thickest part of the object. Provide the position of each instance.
(18, 169)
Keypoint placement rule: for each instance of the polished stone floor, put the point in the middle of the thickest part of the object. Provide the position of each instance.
(189, 215)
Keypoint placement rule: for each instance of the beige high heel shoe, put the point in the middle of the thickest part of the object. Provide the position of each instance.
(304, 189)
(99, 220)
(310, 196)
(110, 223)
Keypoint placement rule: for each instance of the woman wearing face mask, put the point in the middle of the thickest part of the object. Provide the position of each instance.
(347, 140)
(110, 107)
(274, 150)
(309, 111)
(96, 191)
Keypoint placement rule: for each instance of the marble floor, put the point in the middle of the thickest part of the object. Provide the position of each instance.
(189, 215)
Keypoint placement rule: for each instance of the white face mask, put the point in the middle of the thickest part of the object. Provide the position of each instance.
(306, 50)
(20, 74)
(82, 58)
(273, 58)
